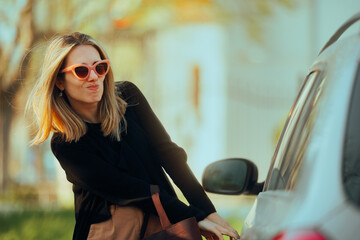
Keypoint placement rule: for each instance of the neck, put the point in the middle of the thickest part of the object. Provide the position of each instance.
(89, 113)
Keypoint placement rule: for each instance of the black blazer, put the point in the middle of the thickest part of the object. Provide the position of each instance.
(104, 171)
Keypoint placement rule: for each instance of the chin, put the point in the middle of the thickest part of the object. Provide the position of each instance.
(97, 100)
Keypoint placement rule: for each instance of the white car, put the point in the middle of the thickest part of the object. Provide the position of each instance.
(312, 190)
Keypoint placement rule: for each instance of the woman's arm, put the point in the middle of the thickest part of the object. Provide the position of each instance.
(171, 156)
(173, 159)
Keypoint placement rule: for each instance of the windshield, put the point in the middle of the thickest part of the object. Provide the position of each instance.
(295, 136)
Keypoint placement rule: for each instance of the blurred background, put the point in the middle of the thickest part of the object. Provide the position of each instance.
(220, 74)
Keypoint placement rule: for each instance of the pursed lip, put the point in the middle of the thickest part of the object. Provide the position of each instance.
(93, 87)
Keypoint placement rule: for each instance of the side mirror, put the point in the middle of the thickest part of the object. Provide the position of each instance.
(232, 176)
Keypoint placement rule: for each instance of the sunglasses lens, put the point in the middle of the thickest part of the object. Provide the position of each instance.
(81, 72)
(101, 68)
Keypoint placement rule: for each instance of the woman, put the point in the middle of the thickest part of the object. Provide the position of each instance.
(112, 147)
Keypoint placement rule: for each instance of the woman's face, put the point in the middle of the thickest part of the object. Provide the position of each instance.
(82, 93)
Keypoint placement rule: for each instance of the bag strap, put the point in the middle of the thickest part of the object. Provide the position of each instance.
(164, 220)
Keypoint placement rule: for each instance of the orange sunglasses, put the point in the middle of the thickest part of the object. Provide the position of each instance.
(82, 72)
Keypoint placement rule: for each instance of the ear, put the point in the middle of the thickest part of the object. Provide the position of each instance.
(60, 83)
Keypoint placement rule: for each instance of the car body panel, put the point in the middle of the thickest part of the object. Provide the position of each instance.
(349, 218)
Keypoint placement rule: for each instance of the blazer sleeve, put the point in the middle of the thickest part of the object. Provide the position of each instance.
(83, 168)
(172, 157)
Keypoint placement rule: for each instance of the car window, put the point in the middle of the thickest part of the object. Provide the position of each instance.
(294, 139)
(351, 154)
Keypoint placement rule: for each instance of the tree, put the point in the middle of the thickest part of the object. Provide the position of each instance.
(17, 37)
(24, 24)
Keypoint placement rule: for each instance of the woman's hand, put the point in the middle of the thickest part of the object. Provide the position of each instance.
(214, 231)
(216, 218)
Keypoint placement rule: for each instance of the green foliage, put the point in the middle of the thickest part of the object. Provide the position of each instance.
(37, 224)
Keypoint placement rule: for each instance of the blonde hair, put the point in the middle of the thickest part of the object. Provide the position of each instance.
(54, 113)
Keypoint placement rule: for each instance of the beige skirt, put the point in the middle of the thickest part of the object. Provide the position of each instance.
(125, 224)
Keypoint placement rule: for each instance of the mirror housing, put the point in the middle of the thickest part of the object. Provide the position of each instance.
(232, 176)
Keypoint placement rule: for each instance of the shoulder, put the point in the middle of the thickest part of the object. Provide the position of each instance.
(126, 88)
(57, 140)
(128, 91)
(59, 145)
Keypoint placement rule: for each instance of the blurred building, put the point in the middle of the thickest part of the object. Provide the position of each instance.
(220, 93)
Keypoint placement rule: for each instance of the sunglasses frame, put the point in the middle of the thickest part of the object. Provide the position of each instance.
(90, 68)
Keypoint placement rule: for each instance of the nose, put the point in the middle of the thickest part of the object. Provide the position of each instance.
(92, 76)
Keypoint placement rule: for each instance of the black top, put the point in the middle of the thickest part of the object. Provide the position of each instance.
(105, 171)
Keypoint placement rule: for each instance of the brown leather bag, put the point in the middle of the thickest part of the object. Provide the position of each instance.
(184, 230)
